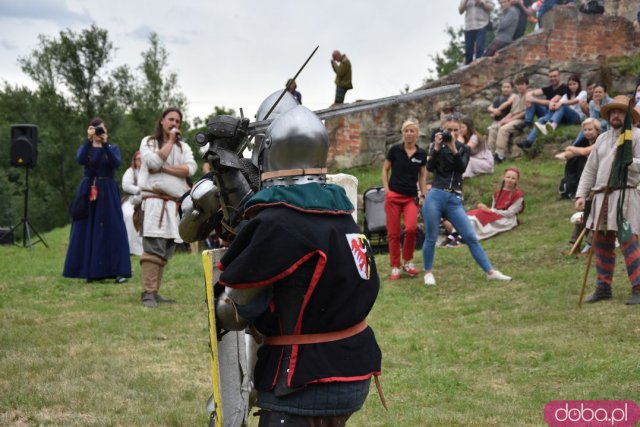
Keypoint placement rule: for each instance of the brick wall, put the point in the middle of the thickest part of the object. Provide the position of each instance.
(579, 41)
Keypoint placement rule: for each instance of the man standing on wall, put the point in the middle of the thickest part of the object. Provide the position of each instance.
(476, 18)
(166, 163)
(342, 67)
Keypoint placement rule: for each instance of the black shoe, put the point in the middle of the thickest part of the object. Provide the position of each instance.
(121, 279)
(521, 126)
(149, 300)
(497, 159)
(159, 298)
(525, 145)
(635, 297)
(599, 295)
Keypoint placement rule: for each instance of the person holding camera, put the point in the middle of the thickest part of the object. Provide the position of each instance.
(98, 246)
(166, 164)
(448, 159)
(407, 164)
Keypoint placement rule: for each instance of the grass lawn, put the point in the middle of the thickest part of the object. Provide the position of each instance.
(465, 353)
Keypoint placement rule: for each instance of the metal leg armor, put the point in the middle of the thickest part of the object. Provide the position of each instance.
(230, 371)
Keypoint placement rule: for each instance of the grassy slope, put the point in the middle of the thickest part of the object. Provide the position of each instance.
(466, 353)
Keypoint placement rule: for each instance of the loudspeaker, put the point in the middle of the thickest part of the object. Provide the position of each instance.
(6, 236)
(24, 146)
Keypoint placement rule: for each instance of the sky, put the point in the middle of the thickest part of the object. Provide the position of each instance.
(235, 53)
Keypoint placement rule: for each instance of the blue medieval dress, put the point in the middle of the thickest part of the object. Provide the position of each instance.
(98, 244)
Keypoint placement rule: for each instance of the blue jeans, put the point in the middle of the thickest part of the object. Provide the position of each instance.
(474, 39)
(546, 6)
(443, 204)
(533, 111)
(566, 114)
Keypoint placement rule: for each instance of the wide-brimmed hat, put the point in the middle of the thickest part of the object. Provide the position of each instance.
(620, 102)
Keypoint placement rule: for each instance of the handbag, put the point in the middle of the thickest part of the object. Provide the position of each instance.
(79, 207)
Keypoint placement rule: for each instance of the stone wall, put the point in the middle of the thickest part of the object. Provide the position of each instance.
(578, 43)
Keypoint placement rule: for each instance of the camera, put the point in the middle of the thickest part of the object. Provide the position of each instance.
(446, 137)
(99, 130)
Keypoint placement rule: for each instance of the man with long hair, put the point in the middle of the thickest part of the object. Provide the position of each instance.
(166, 163)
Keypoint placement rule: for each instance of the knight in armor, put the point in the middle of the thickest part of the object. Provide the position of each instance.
(302, 275)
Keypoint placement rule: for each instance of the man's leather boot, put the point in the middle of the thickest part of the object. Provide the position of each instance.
(160, 298)
(600, 294)
(635, 297)
(149, 299)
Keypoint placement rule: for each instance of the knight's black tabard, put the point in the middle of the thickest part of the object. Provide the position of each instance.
(303, 243)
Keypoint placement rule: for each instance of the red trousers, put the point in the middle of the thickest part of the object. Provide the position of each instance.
(395, 206)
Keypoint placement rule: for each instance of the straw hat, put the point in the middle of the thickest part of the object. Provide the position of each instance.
(620, 102)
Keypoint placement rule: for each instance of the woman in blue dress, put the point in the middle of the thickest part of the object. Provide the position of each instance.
(98, 245)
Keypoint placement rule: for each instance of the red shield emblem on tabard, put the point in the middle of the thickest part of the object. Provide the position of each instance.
(360, 250)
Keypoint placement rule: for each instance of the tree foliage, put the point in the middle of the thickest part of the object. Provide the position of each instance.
(75, 83)
(451, 57)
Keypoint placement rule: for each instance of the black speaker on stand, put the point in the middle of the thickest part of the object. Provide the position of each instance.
(24, 154)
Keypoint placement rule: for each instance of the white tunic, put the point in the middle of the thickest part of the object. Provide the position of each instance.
(596, 175)
(164, 183)
(129, 185)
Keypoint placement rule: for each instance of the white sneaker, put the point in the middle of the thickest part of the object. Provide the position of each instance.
(429, 280)
(541, 128)
(549, 127)
(395, 273)
(496, 275)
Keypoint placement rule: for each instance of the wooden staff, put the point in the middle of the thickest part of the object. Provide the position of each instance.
(606, 192)
(593, 245)
(576, 244)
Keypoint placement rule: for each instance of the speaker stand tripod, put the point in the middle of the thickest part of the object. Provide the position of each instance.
(26, 225)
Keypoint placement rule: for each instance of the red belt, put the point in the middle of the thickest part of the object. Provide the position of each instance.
(316, 338)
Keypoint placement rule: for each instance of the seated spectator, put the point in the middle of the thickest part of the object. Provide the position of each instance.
(594, 7)
(584, 105)
(481, 159)
(452, 239)
(540, 107)
(506, 28)
(507, 203)
(636, 95)
(576, 157)
(498, 142)
(568, 108)
(506, 90)
(599, 99)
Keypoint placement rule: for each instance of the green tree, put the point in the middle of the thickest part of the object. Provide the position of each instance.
(147, 96)
(451, 57)
(74, 84)
(75, 61)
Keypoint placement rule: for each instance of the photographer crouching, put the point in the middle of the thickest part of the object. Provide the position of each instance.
(448, 159)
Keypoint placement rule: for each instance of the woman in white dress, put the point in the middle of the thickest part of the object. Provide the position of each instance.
(508, 202)
(131, 198)
(481, 160)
